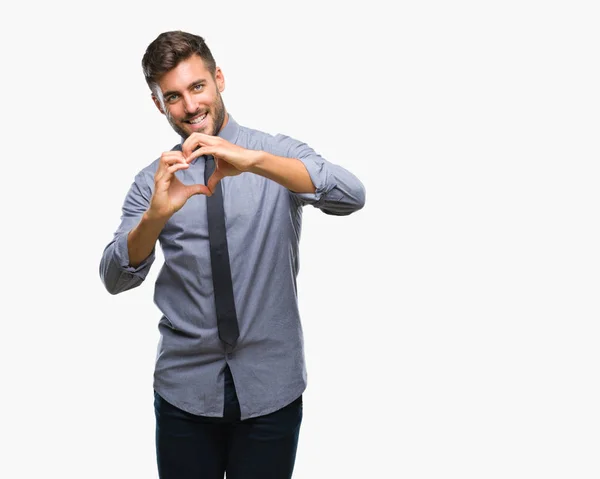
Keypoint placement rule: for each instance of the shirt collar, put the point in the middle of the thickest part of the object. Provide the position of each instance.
(230, 131)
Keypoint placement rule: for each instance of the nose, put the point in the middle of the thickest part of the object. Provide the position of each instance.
(188, 104)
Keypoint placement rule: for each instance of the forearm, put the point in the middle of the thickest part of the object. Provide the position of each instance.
(288, 172)
(142, 239)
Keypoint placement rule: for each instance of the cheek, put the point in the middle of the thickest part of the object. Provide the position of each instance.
(206, 100)
(175, 112)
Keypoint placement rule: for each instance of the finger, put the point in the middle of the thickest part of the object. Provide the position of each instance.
(195, 140)
(175, 157)
(198, 153)
(167, 174)
(214, 180)
(176, 167)
(190, 144)
(171, 154)
(167, 160)
(197, 190)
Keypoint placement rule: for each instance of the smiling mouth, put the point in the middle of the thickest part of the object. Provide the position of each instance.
(197, 120)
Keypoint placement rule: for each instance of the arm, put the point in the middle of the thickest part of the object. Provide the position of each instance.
(127, 259)
(288, 172)
(337, 191)
(116, 272)
(292, 164)
(141, 240)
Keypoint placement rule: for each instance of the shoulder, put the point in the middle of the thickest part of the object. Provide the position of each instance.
(149, 170)
(277, 144)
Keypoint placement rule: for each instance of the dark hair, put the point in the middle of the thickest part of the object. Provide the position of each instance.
(170, 48)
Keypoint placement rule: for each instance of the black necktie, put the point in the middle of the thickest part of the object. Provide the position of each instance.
(219, 259)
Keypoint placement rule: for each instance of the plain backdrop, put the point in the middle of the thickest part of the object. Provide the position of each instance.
(451, 326)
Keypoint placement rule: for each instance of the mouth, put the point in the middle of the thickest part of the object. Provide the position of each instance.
(198, 120)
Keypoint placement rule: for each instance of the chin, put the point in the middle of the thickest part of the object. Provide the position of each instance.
(207, 129)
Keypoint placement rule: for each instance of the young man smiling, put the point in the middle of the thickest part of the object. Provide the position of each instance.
(222, 406)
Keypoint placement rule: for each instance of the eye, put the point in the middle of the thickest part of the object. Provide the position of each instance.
(171, 98)
(198, 87)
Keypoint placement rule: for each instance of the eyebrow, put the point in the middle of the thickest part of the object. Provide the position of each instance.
(191, 85)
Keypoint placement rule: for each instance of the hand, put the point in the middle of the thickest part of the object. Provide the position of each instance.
(170, 194)
(230, 159)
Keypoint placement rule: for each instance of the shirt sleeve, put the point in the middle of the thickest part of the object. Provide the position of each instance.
(338, 192)
(115, 271)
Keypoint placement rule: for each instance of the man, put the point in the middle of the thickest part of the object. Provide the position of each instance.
(230, 368)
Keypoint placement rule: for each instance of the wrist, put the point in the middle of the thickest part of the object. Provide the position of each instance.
(256, 161)
(152, 218)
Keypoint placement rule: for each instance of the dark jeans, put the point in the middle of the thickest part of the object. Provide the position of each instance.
(199, 447)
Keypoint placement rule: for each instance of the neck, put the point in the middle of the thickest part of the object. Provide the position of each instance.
(225, 120)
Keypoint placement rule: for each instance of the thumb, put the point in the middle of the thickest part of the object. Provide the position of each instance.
(214, 179)
(198, 190)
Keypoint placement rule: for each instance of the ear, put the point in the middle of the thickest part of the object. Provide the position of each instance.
(158, 104)
(219, 79)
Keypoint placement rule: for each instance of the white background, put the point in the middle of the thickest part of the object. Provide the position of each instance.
(466, 290)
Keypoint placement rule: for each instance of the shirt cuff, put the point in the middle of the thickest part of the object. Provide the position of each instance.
(320, 178)
(122, 257)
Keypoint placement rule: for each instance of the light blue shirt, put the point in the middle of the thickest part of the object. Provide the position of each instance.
(263, 221)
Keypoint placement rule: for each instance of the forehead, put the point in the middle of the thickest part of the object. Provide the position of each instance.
(187, 71)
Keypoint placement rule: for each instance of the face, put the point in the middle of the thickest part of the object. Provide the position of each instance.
(191, 98)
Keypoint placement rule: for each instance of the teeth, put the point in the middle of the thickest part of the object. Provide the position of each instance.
(198, 120)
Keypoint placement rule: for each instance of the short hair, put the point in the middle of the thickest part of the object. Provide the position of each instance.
(168, 50)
